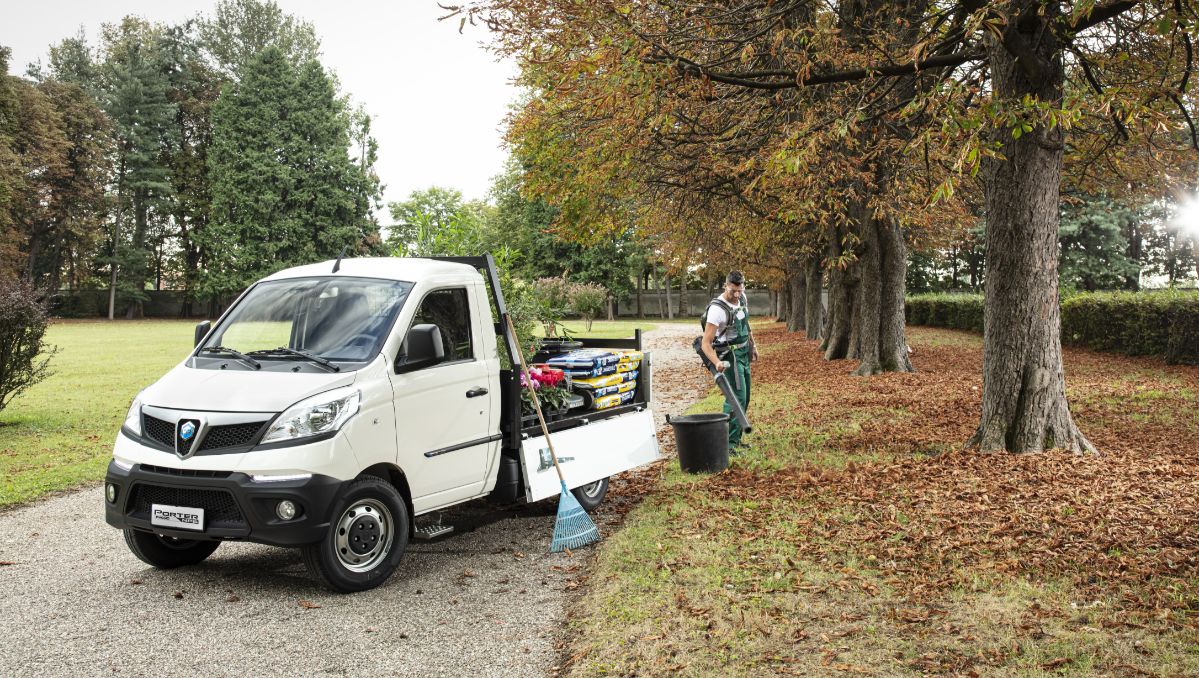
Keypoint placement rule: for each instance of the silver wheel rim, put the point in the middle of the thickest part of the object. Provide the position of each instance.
(592, 491)
(363, 535)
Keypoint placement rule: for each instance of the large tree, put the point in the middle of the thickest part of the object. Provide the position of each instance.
(53, 168)
(285, 190)
(615, 136)
(1019, 87)
(193, 87)
(61, 247)
(136, 99)
(1094, 247)
(436, 220)
(239, 30)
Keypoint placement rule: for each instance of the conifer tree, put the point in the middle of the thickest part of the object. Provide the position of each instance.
(284, 189)
(135, 98)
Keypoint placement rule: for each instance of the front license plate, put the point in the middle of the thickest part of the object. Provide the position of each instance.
(178, 517)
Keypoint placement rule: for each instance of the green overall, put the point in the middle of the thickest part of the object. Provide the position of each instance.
(738, 373)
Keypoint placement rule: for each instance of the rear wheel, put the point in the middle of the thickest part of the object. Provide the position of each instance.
(168, 552)
(592, 495)
(366, 540)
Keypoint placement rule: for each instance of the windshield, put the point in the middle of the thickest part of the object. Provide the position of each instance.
(338, 319)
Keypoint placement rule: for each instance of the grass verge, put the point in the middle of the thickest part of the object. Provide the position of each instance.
(59, 433)
(853, 540)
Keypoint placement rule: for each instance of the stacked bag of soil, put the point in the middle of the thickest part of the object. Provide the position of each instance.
(607, 377)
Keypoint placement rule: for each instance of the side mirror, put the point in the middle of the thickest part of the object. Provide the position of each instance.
(422, 348)
(202, 330)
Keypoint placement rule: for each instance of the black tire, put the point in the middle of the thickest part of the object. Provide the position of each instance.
(369, 528)
(167, 553)
(592, 495)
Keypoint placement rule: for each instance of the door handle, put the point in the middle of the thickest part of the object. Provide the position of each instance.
(476, 392)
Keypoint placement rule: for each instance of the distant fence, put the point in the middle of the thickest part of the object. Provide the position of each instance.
(161, 304)
(171, 303)
(697, 301)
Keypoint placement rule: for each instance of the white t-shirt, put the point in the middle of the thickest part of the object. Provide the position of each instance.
(716, 315)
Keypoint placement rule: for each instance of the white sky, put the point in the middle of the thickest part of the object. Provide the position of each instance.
(437, 99)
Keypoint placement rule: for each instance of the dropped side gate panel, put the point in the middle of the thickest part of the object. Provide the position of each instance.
(588, 453)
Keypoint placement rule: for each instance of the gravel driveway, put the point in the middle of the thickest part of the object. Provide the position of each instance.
(488, 600)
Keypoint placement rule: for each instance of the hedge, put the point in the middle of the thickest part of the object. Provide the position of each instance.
(957, 311)
(1161, 323)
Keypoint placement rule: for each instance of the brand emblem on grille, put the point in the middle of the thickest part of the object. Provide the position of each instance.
(187, 437)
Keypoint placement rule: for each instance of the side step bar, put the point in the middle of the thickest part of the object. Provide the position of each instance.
(431, 529)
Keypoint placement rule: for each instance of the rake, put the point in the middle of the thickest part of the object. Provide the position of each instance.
(573, 527)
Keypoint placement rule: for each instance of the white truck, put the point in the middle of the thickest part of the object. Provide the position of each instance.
(333, 404)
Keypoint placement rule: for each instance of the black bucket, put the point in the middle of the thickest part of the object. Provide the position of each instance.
(702, 441)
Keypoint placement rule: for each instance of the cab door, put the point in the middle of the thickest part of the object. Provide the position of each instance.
(443, 413)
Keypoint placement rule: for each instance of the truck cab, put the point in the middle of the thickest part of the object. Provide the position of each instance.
(333, 404)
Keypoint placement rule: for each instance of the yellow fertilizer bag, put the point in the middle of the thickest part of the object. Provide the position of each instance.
(592, 383)
(613, 400)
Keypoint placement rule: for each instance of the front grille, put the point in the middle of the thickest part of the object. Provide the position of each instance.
(186, 472)
(232, 435)
(159, 430)
(220, 509)
(217, 437)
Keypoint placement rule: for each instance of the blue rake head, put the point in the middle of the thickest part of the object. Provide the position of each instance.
(573, 527)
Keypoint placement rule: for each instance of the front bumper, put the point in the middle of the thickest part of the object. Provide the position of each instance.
(234, 506)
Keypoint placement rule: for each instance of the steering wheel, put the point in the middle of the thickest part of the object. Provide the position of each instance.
(361, 338)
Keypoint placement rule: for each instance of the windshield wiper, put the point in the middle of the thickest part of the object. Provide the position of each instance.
(225, 350)
(323, 362)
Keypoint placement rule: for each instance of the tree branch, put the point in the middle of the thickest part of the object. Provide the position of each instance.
(1104, 12)
(687, 67)
(1190, 123)
(763, 80)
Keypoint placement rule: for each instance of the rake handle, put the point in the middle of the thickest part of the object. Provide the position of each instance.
(520, 355)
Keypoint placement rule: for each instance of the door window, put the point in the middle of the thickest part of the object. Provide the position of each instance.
(449, 309)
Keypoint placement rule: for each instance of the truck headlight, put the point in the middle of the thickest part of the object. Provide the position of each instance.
(133, 418)
(313, 416)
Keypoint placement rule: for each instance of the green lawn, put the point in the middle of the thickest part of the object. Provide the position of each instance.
(604, 329)
(59, 433)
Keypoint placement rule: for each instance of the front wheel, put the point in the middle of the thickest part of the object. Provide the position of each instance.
(167, 553)
(591, 496)
(366, 539)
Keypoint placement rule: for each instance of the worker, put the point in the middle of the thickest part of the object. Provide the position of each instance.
(729, 344)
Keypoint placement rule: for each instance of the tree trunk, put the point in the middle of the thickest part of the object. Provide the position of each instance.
(883, 263)
(854, 349)
(1135, 252)
(841, 295)
(1024, 407)
(782, 303)
(669, 301)
(116, 242)
(656, 281)
(683, 293)
(138, 270)
(814, 304)
(611, 308)
(795, 293)
(640, 286)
